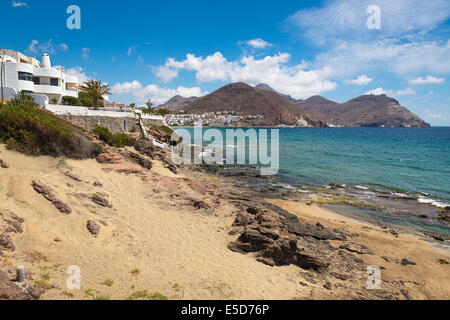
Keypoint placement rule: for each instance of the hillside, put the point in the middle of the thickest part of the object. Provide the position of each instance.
(263, 86)
(363, 111)
(246, 100)
(177, 103)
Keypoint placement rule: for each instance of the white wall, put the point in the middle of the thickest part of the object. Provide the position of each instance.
(83, 111)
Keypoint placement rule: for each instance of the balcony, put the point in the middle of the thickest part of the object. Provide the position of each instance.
(47, 89)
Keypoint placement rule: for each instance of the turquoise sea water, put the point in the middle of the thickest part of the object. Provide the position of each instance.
(414, 161)
(411, 160)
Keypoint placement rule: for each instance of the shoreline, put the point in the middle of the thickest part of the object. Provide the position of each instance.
(178, 231)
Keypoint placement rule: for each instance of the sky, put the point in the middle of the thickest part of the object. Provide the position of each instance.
(339, 49)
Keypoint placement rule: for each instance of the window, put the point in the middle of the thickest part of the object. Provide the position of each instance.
(25, 76)
(54, 82)
(37, 80)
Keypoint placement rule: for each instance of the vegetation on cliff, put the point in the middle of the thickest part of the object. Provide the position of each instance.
(34, 131)
(116, 140)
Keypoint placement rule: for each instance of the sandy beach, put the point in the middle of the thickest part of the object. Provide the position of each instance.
(169, 233)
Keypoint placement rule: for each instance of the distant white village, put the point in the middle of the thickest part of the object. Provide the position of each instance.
(221, 118)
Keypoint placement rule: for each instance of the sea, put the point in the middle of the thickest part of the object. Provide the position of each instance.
(403, 172)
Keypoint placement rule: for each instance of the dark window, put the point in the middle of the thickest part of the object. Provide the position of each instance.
(25, 76)
(37, 80)
(54, 82)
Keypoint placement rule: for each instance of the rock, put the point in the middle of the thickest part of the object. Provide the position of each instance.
(101, 199)
(327, 286)
(47, 193)
(109, 158)
(6, 243)
(3, 164)
(10, 290)
(443, 261)
(93, 228)
(72, 176)
(43, 190)
(406, 262)
(253, 210)
(140, 160)
(98, 184)
(355, 248)
(62, 207)
(199, 204)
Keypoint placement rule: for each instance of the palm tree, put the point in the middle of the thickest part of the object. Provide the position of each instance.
(95, 90)
(149, 104)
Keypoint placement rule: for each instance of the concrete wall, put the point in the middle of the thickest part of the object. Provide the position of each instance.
(88, 119)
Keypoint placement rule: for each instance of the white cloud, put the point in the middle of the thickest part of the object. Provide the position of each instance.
(427, 80)
(272, 70)
(46, 47)
(259, 43)
(391, 93)
(19, 4)
(405, 92)
(362, 80)
(85, 53)
(33, 45)
(131, 50)
(379, 91)
(350, 57)
(429, 115)
(78, 72)
(339, 19)
(157, 94)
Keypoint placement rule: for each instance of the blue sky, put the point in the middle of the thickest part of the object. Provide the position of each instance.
(156, 49)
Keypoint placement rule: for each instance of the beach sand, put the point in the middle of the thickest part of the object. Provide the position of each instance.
(159, 227)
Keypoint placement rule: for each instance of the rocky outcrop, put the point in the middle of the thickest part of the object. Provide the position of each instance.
(11, 290)
(146, 147)
(279, 238)
(140, 160)
(47, 193)
(109, 158)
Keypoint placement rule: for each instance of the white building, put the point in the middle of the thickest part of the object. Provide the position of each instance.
(47, 84)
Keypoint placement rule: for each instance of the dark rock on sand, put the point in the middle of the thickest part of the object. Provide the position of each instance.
(98, 184)
(72, 176)
(47, 193)
(406, 262)
(6, 243)
(62, 207)
(443, 261)
(3, 164)
(93, 228)
(101, 199)
(355, 248)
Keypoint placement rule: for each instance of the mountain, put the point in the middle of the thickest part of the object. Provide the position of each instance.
(263, 86)
(177, 103)
(246, 100)
(363, 111)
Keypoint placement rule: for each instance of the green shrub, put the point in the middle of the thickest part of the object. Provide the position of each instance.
(22, 98)
(86, 102)
(70, 101)
(117, 140)
(34, 131)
